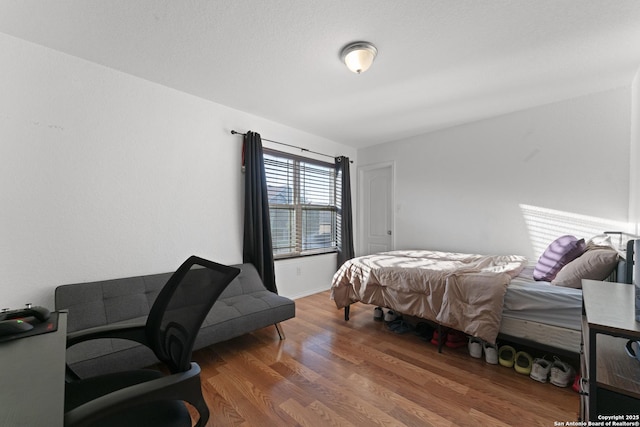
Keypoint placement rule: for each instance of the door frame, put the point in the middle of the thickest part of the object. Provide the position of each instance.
(361, 203)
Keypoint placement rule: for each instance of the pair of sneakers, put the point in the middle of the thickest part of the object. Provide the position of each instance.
(450, 337)
(379, 315)
(558, 373)
(478, 346)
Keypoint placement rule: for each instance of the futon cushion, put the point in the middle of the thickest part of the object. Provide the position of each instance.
(559, 253)
(594, 264)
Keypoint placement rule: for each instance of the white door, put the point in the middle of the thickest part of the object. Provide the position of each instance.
(375, 207)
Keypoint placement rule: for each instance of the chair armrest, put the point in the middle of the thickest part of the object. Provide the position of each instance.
(183, 386)
(133, 332)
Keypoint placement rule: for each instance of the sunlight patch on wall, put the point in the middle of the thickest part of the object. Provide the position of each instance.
(546, 225)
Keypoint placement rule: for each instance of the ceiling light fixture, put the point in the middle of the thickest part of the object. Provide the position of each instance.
(358, 56)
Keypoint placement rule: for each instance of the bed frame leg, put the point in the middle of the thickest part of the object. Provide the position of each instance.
(346, 312)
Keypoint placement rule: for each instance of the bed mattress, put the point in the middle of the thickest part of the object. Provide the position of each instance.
(542, 302)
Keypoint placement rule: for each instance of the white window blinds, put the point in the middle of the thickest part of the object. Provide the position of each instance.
(302, 204)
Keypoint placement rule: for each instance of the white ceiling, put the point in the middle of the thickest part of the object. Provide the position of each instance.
(440, 62)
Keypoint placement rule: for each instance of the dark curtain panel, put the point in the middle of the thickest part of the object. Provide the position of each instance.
(257, 248)
(345, 241)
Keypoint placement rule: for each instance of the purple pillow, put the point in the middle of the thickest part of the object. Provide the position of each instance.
(560, 252)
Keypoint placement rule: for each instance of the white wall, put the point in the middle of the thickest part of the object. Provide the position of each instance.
(513, 183)
(105, 175)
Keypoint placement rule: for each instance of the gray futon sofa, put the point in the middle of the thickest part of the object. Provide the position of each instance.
(244, 306)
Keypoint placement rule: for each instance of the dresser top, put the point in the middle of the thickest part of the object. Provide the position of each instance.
(611, 307)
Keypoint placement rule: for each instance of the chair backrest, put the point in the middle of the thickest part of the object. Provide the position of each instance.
(181, 306)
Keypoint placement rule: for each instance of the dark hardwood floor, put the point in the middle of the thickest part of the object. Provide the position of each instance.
(329, 372)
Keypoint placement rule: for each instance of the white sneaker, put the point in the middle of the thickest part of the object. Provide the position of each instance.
(562, 373)
(490, 353)
(378, 314)
(475, 347)
(633, 349)
(540, 370)
(390, 316)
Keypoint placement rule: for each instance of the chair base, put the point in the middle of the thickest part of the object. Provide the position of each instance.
(166, 413)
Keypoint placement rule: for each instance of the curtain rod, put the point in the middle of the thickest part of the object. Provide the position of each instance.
(233, 132)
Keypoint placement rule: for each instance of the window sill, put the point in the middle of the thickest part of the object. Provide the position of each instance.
(306, 255)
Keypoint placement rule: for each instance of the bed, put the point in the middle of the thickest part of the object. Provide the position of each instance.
(549, 316)
(460, 291)
(539, 312)
(489, 297)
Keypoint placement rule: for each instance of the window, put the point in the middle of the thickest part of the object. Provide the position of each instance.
(302, 204)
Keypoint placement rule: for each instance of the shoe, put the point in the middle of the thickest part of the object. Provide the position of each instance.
(633, 349)
(456, 339)
(424, 330)
(580, 385)
(390, 316)
(506, 356)
(378, 314)
(490, 353)
(399, 326)
(540, 370)
(475, 347)
(562, 373)
(523, 362)
(576, 384)
(394, 324)
(434, 339)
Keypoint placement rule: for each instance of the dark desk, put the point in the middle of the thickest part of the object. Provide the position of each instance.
(612, 376)
(32, 372)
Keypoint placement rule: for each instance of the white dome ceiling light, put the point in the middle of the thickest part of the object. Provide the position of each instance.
(358, 56)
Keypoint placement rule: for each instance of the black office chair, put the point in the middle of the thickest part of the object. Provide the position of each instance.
(148, 397)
